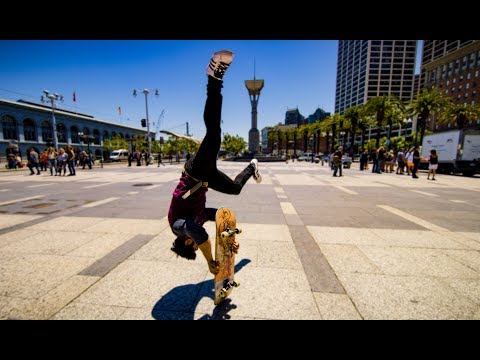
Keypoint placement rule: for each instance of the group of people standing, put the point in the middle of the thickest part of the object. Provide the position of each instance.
(384, 161)
(55, 160)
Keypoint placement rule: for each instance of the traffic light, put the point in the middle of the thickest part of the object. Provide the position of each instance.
(144, 123)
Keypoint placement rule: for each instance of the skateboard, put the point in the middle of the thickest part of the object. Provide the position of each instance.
(226, 229)
(186, 137)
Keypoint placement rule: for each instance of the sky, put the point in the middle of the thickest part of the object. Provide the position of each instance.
(103, 74)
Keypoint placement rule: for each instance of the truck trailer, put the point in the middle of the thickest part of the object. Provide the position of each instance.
(458, 151)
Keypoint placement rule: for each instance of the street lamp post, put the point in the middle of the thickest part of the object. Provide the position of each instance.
(149, 141)
(86, 138)
(51, 98)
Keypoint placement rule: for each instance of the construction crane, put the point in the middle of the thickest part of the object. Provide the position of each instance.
(158, 123)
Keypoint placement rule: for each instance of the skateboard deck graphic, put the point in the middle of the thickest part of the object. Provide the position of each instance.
(226, 229)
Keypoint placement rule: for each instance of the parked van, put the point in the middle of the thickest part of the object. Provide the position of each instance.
(119, 155)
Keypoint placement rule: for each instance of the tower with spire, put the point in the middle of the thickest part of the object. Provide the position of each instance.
(254, 87)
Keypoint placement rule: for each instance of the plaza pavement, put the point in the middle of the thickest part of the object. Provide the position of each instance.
(363, 246)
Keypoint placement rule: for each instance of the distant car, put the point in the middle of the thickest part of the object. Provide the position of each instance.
(346, 161)
(118, 155)
(305, 157)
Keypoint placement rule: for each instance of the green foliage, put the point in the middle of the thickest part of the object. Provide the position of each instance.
(115, 143)
(234, 144)
(174, 145)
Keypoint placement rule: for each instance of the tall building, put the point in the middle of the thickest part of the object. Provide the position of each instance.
(293, 117)
(318, 115)
(370, 68)
(452, 66)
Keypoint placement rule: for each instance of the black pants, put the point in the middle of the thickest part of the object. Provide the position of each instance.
(415, 167)
(203, 166)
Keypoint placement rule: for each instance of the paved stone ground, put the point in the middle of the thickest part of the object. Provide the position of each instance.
(362, 246)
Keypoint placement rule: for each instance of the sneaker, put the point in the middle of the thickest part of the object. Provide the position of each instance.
(256, 174)
(219, 64)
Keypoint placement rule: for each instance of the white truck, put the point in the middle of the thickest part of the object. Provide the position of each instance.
(458, 151)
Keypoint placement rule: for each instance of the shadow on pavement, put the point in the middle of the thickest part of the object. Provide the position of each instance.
(180, 302)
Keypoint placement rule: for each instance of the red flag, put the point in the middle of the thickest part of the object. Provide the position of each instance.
(74, 97)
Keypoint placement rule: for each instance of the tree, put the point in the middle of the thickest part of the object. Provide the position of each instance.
(272, 138)
(281, 137)
(354, 116)
(234, 144)
(325, 126)
(116, 143)
(460, 113)
(427, 103)
(380, 106)
(365, 122)
(394, 115)
(334, 122)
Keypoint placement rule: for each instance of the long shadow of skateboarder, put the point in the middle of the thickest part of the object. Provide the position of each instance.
(180, 302)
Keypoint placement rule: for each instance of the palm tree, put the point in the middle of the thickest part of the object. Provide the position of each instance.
(379, 106)
(353, 115)
(292, 134)
(365, 122)
(460, 114)
(316, 128)
(427, 103)
(394, 115)
(334, 121)
(325, 126)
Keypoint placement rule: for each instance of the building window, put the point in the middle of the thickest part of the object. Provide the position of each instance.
(448, 82)
(47, 133)
(476, 74)
(471, 61)
(74, 135)
(29, 130)
(86, 131)
(61, 133)
(9, 125)
(96, 135)
(469, 75)
(467, 86)
(449, 125)
(454, 81)
(106, 136)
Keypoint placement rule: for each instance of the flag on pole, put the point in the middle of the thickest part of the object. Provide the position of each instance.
(119, 111)
(74, 97)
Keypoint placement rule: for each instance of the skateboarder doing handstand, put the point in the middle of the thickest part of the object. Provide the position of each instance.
(187, 212)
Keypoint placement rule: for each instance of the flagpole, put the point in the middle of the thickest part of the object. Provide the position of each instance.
(75, 100)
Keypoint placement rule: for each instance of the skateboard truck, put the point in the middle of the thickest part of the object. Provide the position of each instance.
(228, 233)
(227, 286)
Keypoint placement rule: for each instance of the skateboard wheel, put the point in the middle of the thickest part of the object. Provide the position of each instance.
(239, 231)
(236, 283)
(224, 235)
(223, 293)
